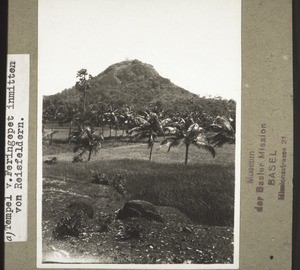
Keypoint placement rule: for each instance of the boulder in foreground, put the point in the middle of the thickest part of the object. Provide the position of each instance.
(139, 208)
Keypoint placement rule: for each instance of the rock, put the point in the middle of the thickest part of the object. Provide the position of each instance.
(51, 161)
(139, 208)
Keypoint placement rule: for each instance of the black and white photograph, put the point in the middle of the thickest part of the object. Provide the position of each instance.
(139, 133)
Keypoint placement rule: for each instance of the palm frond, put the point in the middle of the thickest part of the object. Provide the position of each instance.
(170, 142)
(144, 114)
(201, 138)
(206, 147)
(166, 121)
(194, 127)
(223, 122)
(153, 116)
(166, 141)
(140, 121)
(135, 129)
(172, 130)
(216, 127)
(222, 138)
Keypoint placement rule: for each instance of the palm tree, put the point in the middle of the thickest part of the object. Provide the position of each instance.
(147, 128)
(88, 141)
(225, 131)
(125, 116)
(82, 85)
(187, 132)
(165, 123)
(111, 119)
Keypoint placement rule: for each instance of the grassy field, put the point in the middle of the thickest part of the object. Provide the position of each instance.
(112, 150)
(202, 190)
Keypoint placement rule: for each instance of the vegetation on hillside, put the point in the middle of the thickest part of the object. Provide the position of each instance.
(138, 85)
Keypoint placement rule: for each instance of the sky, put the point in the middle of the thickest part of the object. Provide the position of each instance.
(194, 43)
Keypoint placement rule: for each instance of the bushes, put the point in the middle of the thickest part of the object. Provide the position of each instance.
(99, 178)
(69, 225)
(117, 181)
(75, 220)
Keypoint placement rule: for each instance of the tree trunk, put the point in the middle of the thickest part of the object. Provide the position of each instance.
(70, 130)
(90, 154)
(186, 153)
(100, 130)
(51, 134)
(151, 148)
(116, 133)
(83, 112)
(109, 130)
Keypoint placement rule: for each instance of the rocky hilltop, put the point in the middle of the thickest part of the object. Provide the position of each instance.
(131, 82)
(138, 84)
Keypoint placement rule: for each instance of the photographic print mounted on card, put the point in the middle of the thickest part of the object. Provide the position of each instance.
(159, 134)
(140, 122)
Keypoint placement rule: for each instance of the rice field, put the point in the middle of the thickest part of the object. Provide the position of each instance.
(203, 189)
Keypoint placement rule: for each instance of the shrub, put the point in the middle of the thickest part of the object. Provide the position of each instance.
(99, 178)
(103, 221)
(117, 181)
(69, 225)
(77, 158)
(75, 220)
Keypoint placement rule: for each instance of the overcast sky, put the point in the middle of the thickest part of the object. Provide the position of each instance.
(194, 43)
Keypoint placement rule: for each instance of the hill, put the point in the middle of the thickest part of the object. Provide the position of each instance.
(137, 84)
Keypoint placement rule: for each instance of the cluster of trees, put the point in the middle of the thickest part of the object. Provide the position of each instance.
(191, 126)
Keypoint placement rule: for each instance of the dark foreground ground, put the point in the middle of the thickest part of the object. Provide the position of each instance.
(136, 240)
